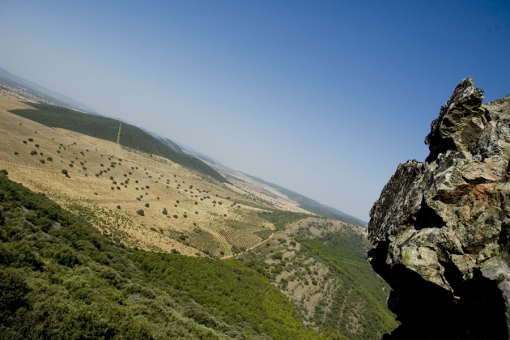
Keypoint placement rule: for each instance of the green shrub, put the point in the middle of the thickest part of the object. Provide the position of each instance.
(13, 290)
(65, 256)
(45, 223)
(277, 256)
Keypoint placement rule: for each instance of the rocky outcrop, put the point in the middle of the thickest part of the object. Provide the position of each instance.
(441, 228)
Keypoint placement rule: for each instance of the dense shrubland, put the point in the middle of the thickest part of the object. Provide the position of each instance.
(361, 292)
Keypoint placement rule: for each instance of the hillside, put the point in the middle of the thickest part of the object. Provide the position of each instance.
(62, 279)
(108, 129)
(320, 265)
(109, 184)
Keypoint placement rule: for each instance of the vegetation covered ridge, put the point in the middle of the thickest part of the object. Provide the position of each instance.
(61, 279)
(108, 129)
(320, 265)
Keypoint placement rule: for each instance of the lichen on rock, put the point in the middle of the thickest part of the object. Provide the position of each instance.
(441, 228)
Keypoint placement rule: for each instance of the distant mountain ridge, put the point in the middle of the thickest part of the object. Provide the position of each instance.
(312, 205)
(203, 157)
(273, 191)
(39, 93)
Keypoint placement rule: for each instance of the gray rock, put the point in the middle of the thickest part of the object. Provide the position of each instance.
(441, 228)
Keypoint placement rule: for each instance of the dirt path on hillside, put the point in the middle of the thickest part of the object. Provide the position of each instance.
(247, 250)
(118, 134)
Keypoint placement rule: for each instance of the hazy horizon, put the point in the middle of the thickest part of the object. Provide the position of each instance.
(323, 98)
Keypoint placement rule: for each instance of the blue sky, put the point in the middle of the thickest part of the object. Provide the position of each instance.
(322, 97)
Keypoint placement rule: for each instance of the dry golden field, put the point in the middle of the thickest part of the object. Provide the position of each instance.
(109, 184)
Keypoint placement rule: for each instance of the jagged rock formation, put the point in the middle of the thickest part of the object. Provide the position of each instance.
(441, 228)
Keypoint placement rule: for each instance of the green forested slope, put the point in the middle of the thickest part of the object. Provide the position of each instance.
(361, 291)
(107, 129)
(61, 279)
(320, 265)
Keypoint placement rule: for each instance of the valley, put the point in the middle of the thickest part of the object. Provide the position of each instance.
(153, 205)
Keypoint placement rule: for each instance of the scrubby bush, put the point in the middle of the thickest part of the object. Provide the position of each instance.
(277, 256)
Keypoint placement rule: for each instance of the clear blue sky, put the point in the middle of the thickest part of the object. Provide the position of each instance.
(322, 97)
